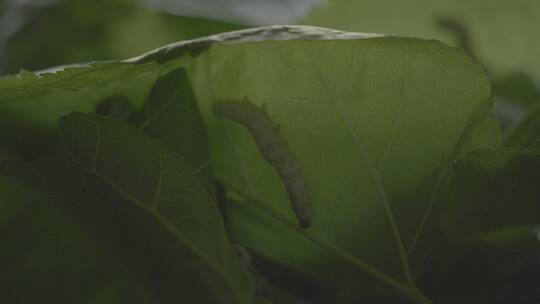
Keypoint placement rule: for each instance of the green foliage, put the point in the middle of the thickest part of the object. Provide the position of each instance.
(373, 107)
(493, 214)
(163, 188)
(376, 123)
(499, 36)
(171, 115)
(48, 252)
(96, 30)
(526, 132)
(518, 87)
(29, 128)
(495, 193)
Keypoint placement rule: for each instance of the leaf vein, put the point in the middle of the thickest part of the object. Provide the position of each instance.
(373, 171)
(213, 265)
(398, 114)
(433, 197)
(161, 109)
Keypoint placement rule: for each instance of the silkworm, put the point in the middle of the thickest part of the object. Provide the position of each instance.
(274, 149)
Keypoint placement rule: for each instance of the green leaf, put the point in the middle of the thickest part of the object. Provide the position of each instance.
(485, 133)
(373, 120)
(492, 218)
(374, 123)
(30, 104)
(525, 132)
(171, 115)
(47, 253)
(161, 187)
(517, 87)
(305, 256)
(500, 36)
(97, 30)
(494, 189)
(76, 77)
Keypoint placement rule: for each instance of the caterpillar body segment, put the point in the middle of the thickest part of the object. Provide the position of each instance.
(274, 149)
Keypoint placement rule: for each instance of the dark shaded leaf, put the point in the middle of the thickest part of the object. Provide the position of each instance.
(48, 255)
(116, 105)
(525, 132)
(160, 189)
(517, 87)
(494, 189)
(171, 115)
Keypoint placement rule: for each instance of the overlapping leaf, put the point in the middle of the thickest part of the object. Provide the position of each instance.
(159, 187)
(501, 42)
(493, 217)
(48, 253)
(374, 122)
(526, 132)
(496, 196)
(171, 115)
